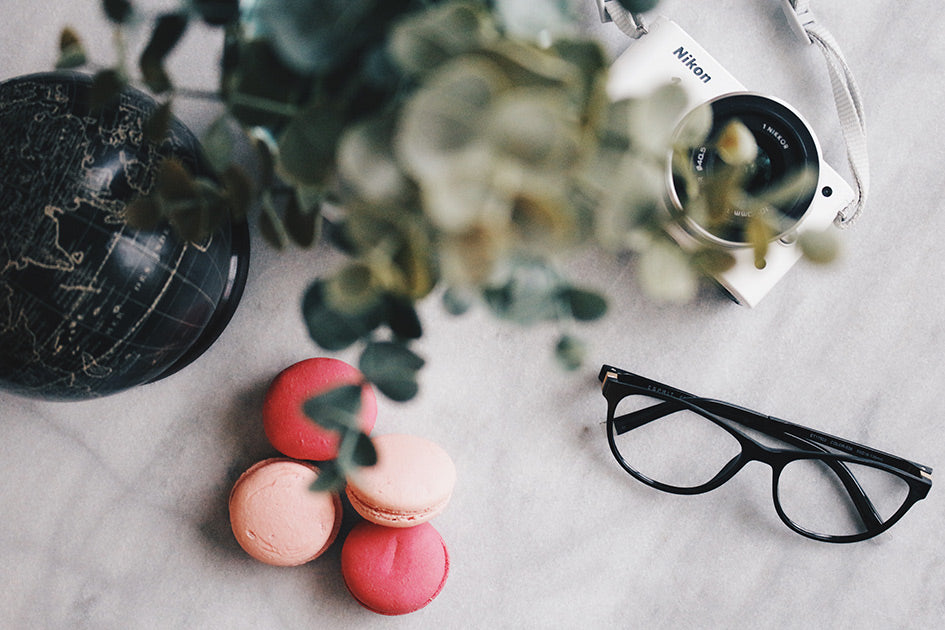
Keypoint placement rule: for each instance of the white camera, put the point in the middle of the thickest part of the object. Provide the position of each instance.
(785, 144)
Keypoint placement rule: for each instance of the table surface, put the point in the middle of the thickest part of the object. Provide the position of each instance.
(114, 510)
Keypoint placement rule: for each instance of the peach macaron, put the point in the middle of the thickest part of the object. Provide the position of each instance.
(277, 519)
(287, 427)
(411, 482)
(394, 571)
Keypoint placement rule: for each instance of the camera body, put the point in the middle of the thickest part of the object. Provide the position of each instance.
(667, 54)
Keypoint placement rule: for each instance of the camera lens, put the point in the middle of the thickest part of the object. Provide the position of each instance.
(786, 150)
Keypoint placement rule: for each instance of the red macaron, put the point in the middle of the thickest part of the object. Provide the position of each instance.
(292, 432)
(394, 571)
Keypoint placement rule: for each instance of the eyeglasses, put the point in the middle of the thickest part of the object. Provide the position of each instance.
(824, 487)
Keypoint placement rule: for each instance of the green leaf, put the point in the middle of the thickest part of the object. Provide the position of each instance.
(302, 224)
(218, 143)
(238, 189)
(333, 330)
(307, 145)
(402, 318)
(638, 6)
(118, 11)
(143, 213)
(174, 182)
(457, 301)
(820, 246)
(270, 226)
(528, 297)
(758, 234)
(336, 409)
(392, 367)
(331, 477)
(570, 352)
(158, 123)
(106, 85)
(218, 12)
(358, 449)
(583, 305)
(713, 260)
(167, 32)
(71, 51)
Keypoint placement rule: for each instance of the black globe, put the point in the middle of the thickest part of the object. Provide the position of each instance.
(89, 306)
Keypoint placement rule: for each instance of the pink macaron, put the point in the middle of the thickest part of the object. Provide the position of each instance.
(277, 519)
(394, 571)
(410, 484)
(293, 433)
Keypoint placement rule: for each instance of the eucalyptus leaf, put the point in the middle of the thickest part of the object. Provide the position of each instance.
(336, 409)
(402, 318)
(361, 449)
(570, 352)
(529, 296)
(238, 189)
(71, 51)
(118, 11)
(167, 33)
(174, 182)
(539, 19)
(367, 164)
(820, 246)
(583, 305)
(392, 367)
(664, 272)
(758, 234)
(736, 144)
(535, 128)
(356, 288)
(143, 213)
(218, 143)
(302, 224)
(218, 12)
(713, 260)
(270, 225)
(457, 301)
(106, 85)
(331, 478)
(638, 6)
(427, 40)
(158, 123)
(333, 330)
(307, 145)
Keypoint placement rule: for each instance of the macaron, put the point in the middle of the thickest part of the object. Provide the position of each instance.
(411, 482)
(292, 432)
(394, 571)
(276, 518)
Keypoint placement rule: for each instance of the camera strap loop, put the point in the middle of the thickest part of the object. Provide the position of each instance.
(846, 94)
(630, 23)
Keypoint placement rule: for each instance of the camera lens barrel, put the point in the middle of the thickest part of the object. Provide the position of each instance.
(786, 148)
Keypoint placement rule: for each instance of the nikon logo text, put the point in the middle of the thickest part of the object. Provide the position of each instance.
(690, 62)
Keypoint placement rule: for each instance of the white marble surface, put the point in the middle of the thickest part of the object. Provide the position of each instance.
(113, 512)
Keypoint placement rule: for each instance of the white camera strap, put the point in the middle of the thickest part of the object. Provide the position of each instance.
(846, 94)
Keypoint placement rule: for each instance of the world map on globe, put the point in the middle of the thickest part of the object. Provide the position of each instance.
(88, 305)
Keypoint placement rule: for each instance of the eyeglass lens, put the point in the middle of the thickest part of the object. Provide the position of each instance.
(679, 447)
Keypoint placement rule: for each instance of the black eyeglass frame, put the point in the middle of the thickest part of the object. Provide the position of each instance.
(808, 443)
